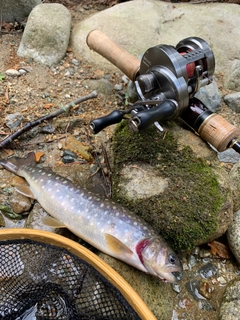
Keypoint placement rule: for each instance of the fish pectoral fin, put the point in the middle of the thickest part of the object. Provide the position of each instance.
(116, 245)
(25, 190)
(52, 222)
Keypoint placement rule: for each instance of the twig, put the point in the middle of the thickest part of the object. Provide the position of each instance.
(35, 123)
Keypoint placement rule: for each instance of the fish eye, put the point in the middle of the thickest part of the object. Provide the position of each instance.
(171, 259)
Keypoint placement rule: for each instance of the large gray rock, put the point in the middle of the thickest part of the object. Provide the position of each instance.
(233, 235)
(19, 10)
(233, 78)
(166, 179)
(140, 24)
(230, 307)
(46, 36)
(233, 101)
(235, 184)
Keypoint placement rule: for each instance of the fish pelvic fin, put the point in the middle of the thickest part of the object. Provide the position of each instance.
(53, 222)
(117, 246)
(15, 164)
(25, 190)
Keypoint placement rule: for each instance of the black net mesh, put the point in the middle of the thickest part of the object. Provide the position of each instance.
(41, 281)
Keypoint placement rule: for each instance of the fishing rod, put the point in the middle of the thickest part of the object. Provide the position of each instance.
(166, 80)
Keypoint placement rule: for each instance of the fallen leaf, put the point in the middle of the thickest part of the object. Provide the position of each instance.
(47, 105)
(39, 155)
(220, 249)
(79, 148)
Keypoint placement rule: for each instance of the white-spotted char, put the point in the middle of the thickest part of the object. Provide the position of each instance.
(101, 222)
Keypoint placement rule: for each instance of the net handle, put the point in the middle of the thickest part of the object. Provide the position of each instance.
(102, 267)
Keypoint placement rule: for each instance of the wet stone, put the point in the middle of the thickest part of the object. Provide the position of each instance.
(49, 128)
(192, 287)
(208, 271)
(67, 159)
(19, 203)
(233, 234)
(68, 152)
(192, 261)
(205, 290)
(13, 120)
(205, 305)
(13, 73)
(230, 307)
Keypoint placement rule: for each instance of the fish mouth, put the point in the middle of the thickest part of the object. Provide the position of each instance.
(171, 277)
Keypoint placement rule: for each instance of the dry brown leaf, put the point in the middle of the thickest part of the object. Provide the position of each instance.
(39, 155)
(79, 148)
(220, 249)
(47, 105)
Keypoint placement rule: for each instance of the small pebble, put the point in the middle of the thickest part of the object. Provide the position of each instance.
(192, 261)
(13, 120)
(118, 87)
(67, 159)
(75, 62)
(205, 305)
(19, 203)
(67, 73)
(22, 71)
(49, 128)
(68, 152)
(125, 79)
(205, 290)
(222, 281)
(13, 73)
(204, 253)
(208, 271)
(176, 287)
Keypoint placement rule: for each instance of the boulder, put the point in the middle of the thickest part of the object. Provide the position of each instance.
(174, 181)
(140, 24)
(19, 10)
(46, 36)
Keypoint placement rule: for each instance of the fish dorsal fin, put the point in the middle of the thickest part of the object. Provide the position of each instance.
(53, 222)
(116, 245)
(25, 190)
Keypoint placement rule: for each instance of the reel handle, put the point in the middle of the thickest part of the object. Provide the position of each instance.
(100, 123)
(123, 60)
(143, 119)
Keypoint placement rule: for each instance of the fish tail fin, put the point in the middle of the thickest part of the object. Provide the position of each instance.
(15, 164)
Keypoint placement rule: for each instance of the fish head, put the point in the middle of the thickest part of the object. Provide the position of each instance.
(161, 261)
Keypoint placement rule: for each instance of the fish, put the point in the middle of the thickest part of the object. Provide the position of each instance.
(103, 223)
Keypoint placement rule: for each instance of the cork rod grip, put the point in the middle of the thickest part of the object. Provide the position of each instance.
(123, 60)
(218, 131)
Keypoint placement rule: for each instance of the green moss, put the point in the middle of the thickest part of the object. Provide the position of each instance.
(186, 212)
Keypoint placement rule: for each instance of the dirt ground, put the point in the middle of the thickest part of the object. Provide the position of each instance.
(43, 90)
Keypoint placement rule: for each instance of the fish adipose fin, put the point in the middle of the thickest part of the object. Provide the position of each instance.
(52, 222)
(25, 190)
(116, 245)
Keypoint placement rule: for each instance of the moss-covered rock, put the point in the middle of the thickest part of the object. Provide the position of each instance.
(194, 207)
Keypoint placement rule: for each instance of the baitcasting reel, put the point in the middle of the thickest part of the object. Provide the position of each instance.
(169, 77)
(166, 80)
